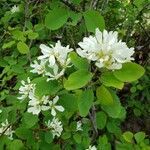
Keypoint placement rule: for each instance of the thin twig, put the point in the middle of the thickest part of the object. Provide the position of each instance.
(92, 117)
(70, 5)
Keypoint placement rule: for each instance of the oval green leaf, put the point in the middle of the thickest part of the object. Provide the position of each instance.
(56, 18)
(108, 79)
(78, 80)
(104, 96)
(129, 72)
(93, 20)
(22, 47)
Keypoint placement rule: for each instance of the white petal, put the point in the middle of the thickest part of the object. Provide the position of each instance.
(52, 60)
(55, 100)
(60, 108)
(53, 112)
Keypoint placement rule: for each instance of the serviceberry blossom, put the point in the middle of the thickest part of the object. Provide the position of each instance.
(55, 107)
(55, 74)
(105, 50)
(15, 9)
(54, 54)
(39, 68)
(79, 128)
(26, 89)
(36, 104)
(92, 148)
(6, 129)
(56, 127)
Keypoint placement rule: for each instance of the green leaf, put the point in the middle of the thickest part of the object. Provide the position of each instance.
(77, 137)
(66, 135)
(113, 127)
(56, 18)
(8, 45)
(30, 120)
(85, 102)
(48, 137)
(108, 79)
(129, 72)
(16, 145)
(128, 136)
(75, 18)
(18, 35)
(33, 35)
(22, 47)
(101, 119)
(115, 108)
(103, 143)
(23, 133)
(45, 88)
(80, 63)
(94, 20)
(104, 96)
(77, 80)
(103, 140)
(18, 69)
(69, 102)
(139, 137)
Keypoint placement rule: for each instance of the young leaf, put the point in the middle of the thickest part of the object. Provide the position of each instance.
(108, 79)
(8, 45)
(94, 20)
(104, 96)
(101, 119)
(56, 18)
(128, 136)
(85, 102)
(22, 47)
(78, 79)
(139, 137)
(129, 72)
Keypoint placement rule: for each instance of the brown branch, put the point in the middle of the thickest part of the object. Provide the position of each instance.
(70, 5)
(92, 117)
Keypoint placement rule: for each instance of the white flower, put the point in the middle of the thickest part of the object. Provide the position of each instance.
(79, 128)
(38, 68)
(6, 129)
(26, 89)
(56, 127)
(36, 105)
(55, 53)
(54, 107)
(14, 9)
(56, 74)
(92, 148)
(105, 49)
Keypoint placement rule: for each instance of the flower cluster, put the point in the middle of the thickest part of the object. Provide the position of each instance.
(92, 148)
(56, 127)
(6, 129)
(37, 104)
(26, 89)
(105, 50)
(53, 62)
(15, 9)
(79, 126)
